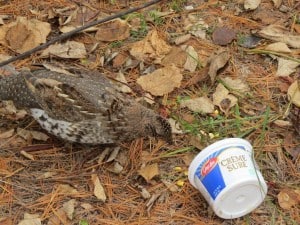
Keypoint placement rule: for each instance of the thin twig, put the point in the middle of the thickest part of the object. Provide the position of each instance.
(77, 30)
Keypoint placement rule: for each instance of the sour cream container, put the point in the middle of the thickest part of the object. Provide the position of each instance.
(228, 177)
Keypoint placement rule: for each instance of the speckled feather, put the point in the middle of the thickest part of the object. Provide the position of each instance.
(82, 108)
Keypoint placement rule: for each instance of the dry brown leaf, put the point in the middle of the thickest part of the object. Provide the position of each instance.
(29, 135)
(47, 175)
(294, 93)
(237, 85)
(77, 18)
(251, 4)
(161, 81)
(277, 3)
(69, 207)
(8, 108)
(282, 123)
(176, 56)
(7, 134)
(119, 60)
(195, 26)
(181, 39)
(216, 63)
(6, 221)
(222, 94)
(116, 168)
(68, 50)
(121, 86)
(223, 35)
(145, 194)
(287, 198)
(171, 186)
(175, 126)
(201, 104)
(115, 30)
(279, 33)
(27, 155)
(58, 218)
(113, 154)
(278, 47)
(151, 46)
(149, 171)
(86, 206)
(30, 219)
(192, 60)
(31, 32)
(286, 67)
(66, 189)
(98, 188)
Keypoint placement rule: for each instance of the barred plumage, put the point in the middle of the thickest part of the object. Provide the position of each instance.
(82, 108)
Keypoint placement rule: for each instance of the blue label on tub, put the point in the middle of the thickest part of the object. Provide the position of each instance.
(210, 174)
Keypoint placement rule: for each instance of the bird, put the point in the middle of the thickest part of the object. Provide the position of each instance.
(84, 107)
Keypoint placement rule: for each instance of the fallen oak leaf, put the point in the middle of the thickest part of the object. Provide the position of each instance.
(161, 81)
(151, 46)
(201, 104)
(114, 30)
(149, 171)
(31, 32)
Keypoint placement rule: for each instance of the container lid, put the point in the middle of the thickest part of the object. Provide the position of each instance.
(240, 199)
(209, 150)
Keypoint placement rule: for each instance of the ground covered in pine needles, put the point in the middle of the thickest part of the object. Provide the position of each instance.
(208, 46)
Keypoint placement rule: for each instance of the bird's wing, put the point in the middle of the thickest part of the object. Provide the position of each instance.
(60, 99)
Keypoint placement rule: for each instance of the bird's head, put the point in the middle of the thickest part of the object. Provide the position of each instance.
(159, 128)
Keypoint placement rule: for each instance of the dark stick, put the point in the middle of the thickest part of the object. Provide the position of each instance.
(77, 30)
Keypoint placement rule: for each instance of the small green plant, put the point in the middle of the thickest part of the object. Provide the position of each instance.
(116, 44)
(177, 5)
(83, 222)
(241, 38)
(157, 19)
(142, 30)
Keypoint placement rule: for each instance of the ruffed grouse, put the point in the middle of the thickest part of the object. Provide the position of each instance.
(82, 108)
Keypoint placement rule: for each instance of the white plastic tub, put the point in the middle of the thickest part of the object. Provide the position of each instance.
(228, 177)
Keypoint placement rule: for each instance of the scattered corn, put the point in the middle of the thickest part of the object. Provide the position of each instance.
(177, 168)
(180, 183)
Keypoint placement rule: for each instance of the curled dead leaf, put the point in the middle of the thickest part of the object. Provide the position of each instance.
(217, 62)
(279, 33)
(278, 47)
(151, 46)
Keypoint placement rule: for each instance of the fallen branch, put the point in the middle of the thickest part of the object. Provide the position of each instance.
(77, 30)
